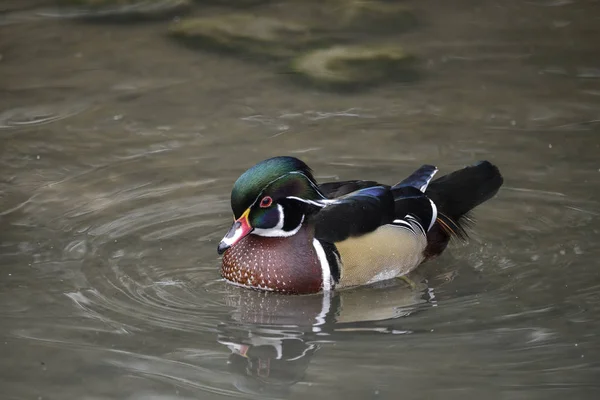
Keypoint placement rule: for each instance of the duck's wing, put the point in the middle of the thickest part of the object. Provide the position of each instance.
(412, 207)
(354, 214)
(337, 189)
(411, 203)
(371, 205)
(420, 178)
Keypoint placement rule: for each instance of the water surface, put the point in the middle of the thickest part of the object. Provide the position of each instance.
(119, 150)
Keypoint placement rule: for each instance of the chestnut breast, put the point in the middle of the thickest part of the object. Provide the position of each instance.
(287, 264)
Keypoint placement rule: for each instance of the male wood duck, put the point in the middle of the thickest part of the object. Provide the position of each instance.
(293, 235)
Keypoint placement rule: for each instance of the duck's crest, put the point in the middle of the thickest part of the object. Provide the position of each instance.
(252, 182)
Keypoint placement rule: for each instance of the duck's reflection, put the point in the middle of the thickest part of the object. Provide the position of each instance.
(272, 338)
(260, 362)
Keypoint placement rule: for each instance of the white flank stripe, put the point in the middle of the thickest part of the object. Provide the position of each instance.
(314, 186)
(326, 272)
(414, 222)
(403, 223)
(433, 214)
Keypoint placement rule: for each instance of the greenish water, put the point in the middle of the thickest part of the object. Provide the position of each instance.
(119, 150)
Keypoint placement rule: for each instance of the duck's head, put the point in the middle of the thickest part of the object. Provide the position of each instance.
(271, 199)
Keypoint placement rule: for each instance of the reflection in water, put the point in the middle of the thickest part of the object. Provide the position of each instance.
(273, 337)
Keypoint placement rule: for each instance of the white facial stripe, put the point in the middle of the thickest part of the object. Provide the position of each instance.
(318, 203)
(311, 183)
(260, 195)
(325, 270)
(230, 241)
(277, 230)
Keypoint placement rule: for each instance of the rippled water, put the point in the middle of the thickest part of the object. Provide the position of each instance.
(119, 149)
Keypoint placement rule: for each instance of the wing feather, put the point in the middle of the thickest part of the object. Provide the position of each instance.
(358, 207)
(354, 214)
(342, 188)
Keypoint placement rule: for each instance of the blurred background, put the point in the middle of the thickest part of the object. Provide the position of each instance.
(124, 123)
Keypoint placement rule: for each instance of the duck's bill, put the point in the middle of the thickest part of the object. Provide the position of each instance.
(240, 229)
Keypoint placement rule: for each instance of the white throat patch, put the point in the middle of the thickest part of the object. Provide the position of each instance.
(277, 230)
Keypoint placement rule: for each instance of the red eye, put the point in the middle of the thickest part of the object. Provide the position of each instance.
(266, 202)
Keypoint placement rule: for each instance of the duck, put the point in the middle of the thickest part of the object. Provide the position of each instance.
(295, 236)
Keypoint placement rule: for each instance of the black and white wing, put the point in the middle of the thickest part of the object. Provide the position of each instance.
(354, 214)
(412, 206)
(358, 207)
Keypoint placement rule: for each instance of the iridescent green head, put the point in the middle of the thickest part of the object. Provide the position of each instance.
(267, 199)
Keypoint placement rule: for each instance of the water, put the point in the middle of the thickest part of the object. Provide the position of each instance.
(119, 150)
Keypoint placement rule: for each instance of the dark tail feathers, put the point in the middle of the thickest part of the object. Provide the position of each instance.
(455, 195)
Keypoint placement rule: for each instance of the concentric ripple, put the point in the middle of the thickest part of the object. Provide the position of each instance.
(39, 115)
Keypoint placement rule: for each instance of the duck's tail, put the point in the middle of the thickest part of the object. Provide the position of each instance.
(455, 195)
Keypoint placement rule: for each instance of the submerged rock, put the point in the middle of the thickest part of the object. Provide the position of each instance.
(354, 65)
(244, 33)
(376, 15)
(118, 9)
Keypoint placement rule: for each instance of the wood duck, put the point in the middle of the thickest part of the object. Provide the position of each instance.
(295, 236)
